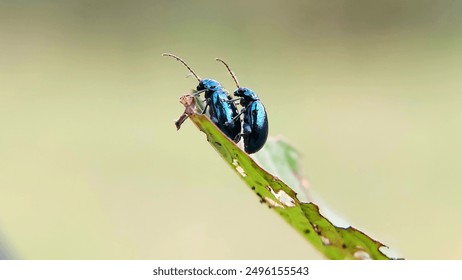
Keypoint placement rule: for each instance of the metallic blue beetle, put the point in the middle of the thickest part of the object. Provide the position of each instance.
(255, 126)
(223, 113)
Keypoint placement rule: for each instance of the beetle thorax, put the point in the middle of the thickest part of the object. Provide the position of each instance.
(208, 84)
(247, 96)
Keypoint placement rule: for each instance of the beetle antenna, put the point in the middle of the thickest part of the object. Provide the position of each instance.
(184, 63)
(230, 72)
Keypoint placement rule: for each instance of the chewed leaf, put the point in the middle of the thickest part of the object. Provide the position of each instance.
(334, 242)
(281, 159)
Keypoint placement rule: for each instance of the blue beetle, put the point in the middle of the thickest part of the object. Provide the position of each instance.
(223, 113)
(255, 127)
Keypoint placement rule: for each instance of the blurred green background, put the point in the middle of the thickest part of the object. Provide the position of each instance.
(92, 166)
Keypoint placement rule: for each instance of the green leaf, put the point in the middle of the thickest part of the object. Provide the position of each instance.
(279, 157)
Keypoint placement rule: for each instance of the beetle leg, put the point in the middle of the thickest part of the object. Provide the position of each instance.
(235, 118)
(198, 92)
(205, 108)
(233, 100)
(237, 138)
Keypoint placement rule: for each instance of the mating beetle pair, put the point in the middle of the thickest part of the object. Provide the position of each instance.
(224, 114)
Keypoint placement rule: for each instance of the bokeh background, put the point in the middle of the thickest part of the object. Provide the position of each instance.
(92, 167)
